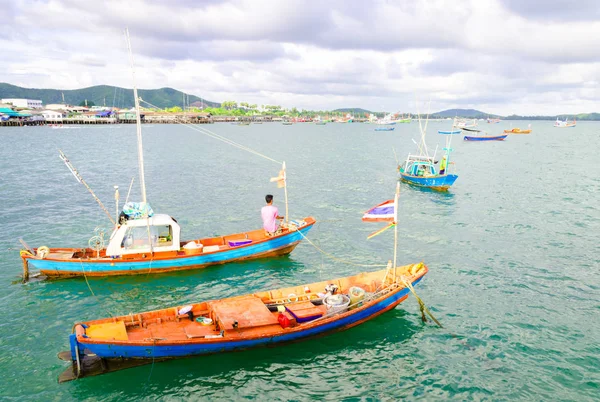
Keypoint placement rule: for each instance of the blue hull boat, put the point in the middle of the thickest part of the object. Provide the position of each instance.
(267, 318)
(486, 138)
(385, 128)
(71, 262)
(437, 182)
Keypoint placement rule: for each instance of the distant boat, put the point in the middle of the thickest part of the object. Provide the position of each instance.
(449, 132)
(420, 170)
(464, 123)
(243, 123)
(287, 123)
(493, 121)
(259, 319)
(565, 124)
(518, 131)
(320, 123)
(485, 137)
(385, 128)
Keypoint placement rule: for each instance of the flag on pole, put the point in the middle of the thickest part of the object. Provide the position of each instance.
(383, 212)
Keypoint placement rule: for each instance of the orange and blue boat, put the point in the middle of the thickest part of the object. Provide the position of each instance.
(132, 252)
(267, 318)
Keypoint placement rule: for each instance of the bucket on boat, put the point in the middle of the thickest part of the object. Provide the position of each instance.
(356, 296)
(336, 303)
(192, 248)
(204, 320)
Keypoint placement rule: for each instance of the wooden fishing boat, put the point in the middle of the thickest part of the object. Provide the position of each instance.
(131, 252)
(260, 319)
(517, 131)
(485, 137)
(420, 170)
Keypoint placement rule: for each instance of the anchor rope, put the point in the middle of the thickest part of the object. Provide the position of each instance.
(216, 136)
(422, 305)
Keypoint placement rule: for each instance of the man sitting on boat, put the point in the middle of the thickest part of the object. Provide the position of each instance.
(270, 215)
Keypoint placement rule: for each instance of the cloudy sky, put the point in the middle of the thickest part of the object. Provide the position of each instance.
(499, 56)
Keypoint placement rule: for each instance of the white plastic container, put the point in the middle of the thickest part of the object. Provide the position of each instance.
(336, 303)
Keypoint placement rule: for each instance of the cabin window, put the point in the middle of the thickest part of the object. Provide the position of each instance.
(165, 235)
(137, 238)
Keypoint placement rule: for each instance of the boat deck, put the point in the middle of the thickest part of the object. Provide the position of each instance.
(237, 318)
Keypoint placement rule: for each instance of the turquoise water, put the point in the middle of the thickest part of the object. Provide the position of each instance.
(512, 250)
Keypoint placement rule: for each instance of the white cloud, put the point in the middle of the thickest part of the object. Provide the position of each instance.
(498, 56)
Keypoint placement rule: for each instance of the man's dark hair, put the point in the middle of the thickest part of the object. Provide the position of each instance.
(268, 198)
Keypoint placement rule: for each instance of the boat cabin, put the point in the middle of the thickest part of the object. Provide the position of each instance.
(157, 233)
(419, 166)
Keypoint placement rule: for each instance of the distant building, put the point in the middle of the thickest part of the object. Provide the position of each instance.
(58, 106)
(52, 115)
(26, 103)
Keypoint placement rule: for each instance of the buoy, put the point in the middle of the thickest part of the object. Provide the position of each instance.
(42, 252)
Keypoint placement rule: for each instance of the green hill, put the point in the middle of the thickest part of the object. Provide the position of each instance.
(104, 95)
(469, 113)
(352, 110)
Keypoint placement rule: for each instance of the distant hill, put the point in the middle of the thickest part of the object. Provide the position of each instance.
(352, 110)
(469, 113)
(102, 95)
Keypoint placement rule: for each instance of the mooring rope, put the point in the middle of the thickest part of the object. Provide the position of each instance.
(216, 136)
(90, 287)
(334, 257)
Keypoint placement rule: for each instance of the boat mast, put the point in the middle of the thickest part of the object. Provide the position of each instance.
(138, 121)
(396, 196)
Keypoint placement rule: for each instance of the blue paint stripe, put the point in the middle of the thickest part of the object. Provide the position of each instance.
(202, 259)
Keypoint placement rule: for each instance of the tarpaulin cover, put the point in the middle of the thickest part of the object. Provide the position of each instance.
(137, 210)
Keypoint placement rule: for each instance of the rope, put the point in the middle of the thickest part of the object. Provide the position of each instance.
(216, 136)
(334, 257)
(422, 305)
(90, 287)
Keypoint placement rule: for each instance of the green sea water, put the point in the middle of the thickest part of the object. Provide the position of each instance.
(512, 251)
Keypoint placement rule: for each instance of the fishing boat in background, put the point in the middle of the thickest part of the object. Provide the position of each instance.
(449, 132)
(518, 131)
(143, 242)
(420, 169)
(464, 123)
(564, 124)
(493, 121)
(384, 128)
(260, 319)
(485, 137)
(404, 119)
(347, 119)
